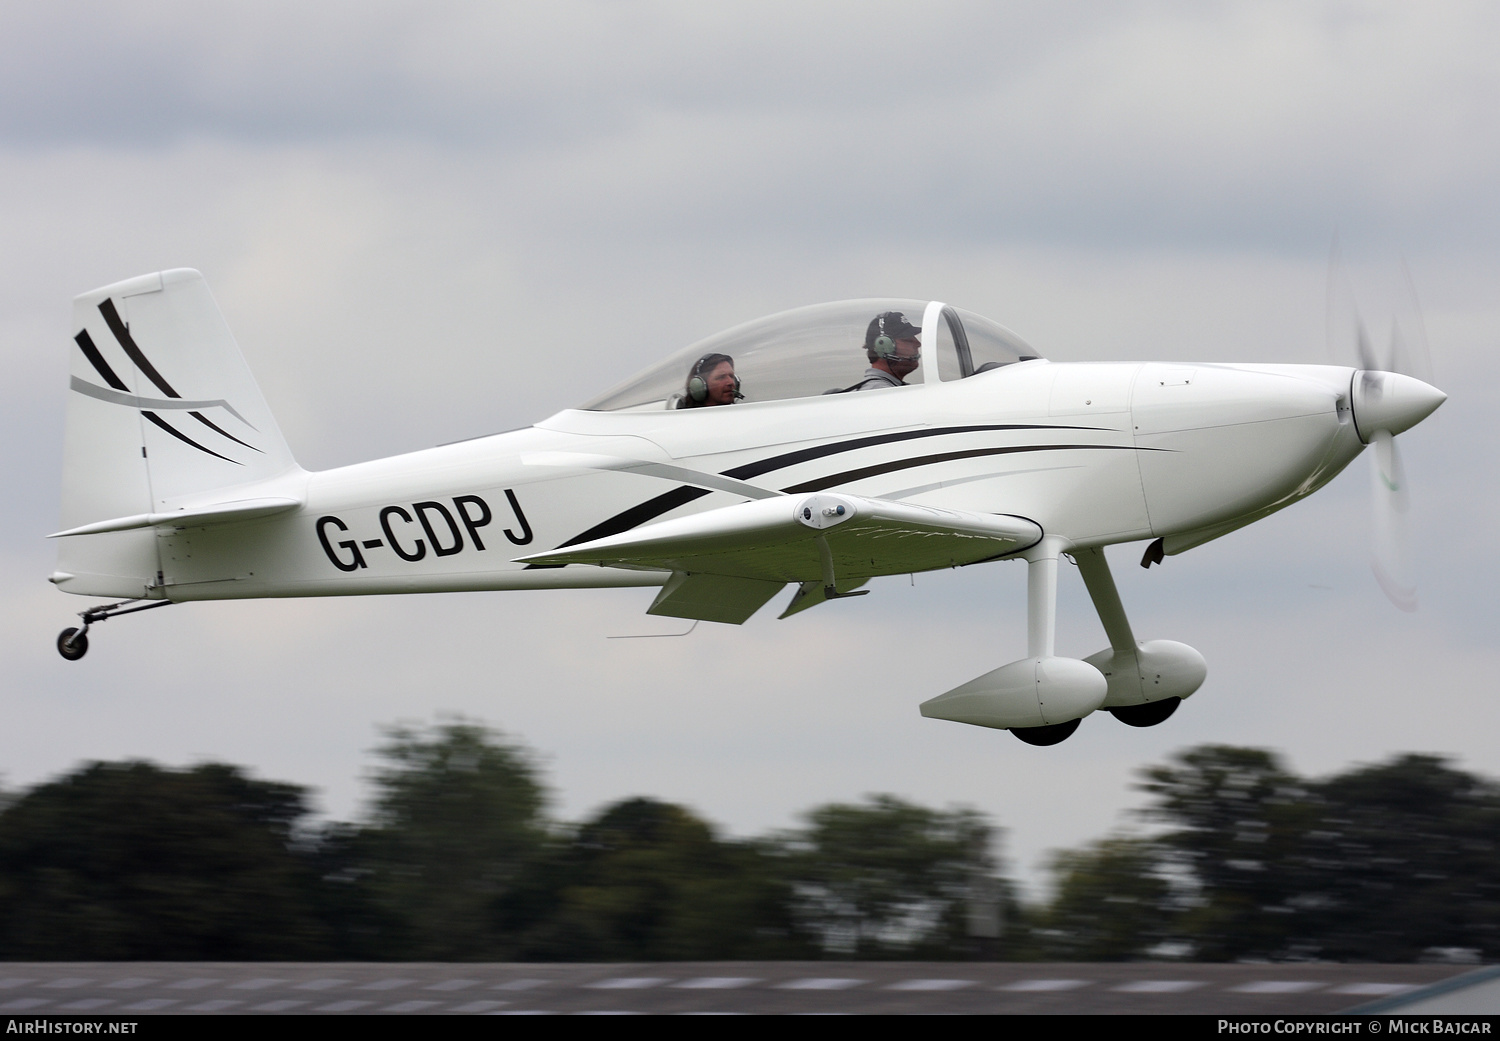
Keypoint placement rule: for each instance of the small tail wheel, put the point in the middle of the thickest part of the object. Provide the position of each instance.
(72, 644)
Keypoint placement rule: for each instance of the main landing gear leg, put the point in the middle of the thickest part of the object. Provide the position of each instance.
(1040, 698)
(1147, 681)
(1041, 634)
(73, 644)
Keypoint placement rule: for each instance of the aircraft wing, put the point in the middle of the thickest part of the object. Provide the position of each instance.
(795, 538)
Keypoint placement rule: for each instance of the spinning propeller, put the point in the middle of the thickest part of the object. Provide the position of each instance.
(1386, 399)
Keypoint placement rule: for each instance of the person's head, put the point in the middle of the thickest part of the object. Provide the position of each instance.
(712, 381)
(893, 344)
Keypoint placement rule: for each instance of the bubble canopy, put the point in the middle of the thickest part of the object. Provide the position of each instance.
(819, 350)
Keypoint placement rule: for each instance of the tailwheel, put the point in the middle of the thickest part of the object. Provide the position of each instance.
(1050, 735)
(72, 644)
(1147, 715)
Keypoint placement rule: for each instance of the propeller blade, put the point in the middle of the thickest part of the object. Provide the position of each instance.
(1393, 393)
(1389, 393)
(1341, 312)
(1391, 558)
(1416, 359)
(1366, 352)
(1344, 318)
(1395, 350)
(1398, 356)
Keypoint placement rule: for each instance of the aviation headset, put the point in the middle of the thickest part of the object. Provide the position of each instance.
(883, 344)
(697, 386)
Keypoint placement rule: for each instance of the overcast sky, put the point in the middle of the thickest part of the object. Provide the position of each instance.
(429, 221)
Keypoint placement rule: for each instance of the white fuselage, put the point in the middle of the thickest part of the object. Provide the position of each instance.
(1093, 453)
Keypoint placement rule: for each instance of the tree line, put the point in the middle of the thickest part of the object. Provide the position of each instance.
(458, 860)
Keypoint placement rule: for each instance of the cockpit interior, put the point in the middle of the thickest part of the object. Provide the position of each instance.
(813, 351)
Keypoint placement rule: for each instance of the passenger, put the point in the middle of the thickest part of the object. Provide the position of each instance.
(894, 350)
(711, 381)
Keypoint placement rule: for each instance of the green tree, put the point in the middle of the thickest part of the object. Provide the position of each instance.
(1403, 859)
(1378, 863)
(135, 861)
(1113, 902)
(890, 879)
(647, 880)
(457, 819)
(1240, 819)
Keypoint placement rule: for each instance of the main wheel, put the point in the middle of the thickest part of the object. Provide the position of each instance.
(1052, 735)
(72, 644)
(1147, 715)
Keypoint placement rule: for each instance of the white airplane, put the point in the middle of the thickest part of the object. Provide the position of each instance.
(178, 486)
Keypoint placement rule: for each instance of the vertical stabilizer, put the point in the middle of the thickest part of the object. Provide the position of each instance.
(162, 413)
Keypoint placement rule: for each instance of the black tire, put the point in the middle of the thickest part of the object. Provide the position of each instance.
(72, 644)
(1053, 735)
(1147, 715)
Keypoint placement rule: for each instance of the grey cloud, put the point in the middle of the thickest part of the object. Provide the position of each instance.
(157, 72)
(1111, 123)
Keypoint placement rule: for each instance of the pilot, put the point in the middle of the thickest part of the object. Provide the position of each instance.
(894, 350)
(711, 381)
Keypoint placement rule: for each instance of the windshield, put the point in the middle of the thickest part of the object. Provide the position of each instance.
(823, 349)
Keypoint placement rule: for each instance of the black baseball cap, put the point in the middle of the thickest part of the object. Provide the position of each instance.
(895, 325)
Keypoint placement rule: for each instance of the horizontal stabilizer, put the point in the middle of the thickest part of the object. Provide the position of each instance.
(777, 540)
(201, 516)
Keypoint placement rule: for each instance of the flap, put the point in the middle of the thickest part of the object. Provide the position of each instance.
(713, 598)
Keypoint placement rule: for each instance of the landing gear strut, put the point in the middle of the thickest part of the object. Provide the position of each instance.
(73, 643)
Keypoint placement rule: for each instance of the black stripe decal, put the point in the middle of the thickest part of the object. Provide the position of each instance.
(632, 517)
(122, 333)
(832, 480)
(653, 508)
(200, 417)
(638, 515)
(86, 344)
(134, 352)
(776, 462)
(185, 439)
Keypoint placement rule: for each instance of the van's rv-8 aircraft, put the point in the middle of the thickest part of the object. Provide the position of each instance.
(178, 486)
